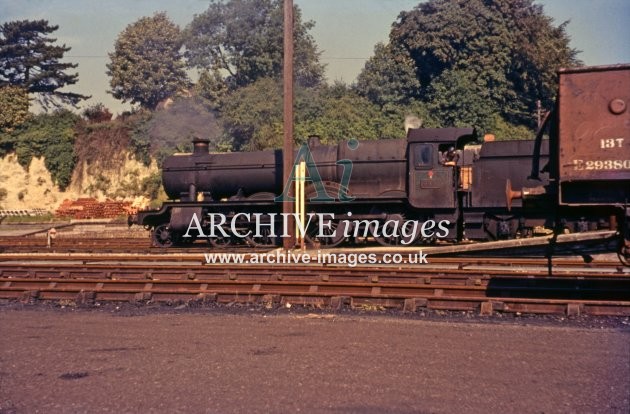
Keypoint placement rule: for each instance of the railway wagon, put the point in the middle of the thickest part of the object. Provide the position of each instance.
(589, 152)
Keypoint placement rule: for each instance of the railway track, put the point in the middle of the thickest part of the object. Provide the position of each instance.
(142, 246)
(559, 265)
(465, 289)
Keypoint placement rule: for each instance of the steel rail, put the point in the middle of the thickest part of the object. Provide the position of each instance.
(199, 257)
(485, 290)
(300, 271)
(406, 297)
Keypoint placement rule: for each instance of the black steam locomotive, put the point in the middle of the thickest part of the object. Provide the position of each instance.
(578, 180)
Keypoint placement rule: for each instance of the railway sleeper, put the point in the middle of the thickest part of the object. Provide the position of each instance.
(85, 298)
(412, 304)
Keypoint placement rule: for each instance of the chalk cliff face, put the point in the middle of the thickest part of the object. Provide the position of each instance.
(32, 188)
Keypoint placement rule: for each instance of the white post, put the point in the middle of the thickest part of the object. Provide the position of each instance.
(300, 211)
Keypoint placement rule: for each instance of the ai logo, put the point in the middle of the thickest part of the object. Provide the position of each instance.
(304, 154)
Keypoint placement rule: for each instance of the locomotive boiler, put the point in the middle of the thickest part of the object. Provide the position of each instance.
(573, 177)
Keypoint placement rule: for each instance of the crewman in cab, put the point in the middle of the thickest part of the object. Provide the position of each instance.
(449, 157)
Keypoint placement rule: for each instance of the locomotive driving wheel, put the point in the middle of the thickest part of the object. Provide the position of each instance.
(394, 240)
(162, 236)
(220, 241)
(398, 238)
(264, 239)
(330, 237)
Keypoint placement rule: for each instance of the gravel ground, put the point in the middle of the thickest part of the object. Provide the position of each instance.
(127, 359)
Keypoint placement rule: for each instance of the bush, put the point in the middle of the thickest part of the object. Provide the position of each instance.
(505, 130)
(139, 139)
(46, 135)
(152, 185)
(97, 113)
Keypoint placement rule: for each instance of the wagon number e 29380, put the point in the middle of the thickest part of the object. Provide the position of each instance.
(606, 143)
(580, 165)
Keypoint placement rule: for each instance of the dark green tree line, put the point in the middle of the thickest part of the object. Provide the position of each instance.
(475, 59)
(244, 40)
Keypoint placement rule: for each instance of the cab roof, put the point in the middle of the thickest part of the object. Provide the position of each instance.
(457, 137)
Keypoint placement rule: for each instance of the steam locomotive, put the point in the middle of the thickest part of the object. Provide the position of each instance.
(577, 180)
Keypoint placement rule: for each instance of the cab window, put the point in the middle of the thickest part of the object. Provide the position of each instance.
(422, 156)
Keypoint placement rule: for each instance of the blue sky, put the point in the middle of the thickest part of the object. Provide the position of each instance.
(346, 30)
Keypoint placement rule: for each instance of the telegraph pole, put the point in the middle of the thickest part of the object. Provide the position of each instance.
(287, 153)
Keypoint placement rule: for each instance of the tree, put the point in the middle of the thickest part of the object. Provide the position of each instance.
(13, 107)
(31, 60)
(211, 87)
(244, 38)
(389, 77)
(97, 113)
(146, 65)
(476, 58)
(252, 115)
(338, 113)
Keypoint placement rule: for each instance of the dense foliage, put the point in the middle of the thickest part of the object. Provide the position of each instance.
(245, 39)
(252, 115)
(146, 66)
(473, 59)
(97, 113)
(389, 77)
(45, 135)
(13, 107)
(31, 60)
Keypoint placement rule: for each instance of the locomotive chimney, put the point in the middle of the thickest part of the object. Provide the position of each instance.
(201, 146)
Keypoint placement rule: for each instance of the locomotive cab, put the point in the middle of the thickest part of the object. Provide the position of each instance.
(433, 156)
